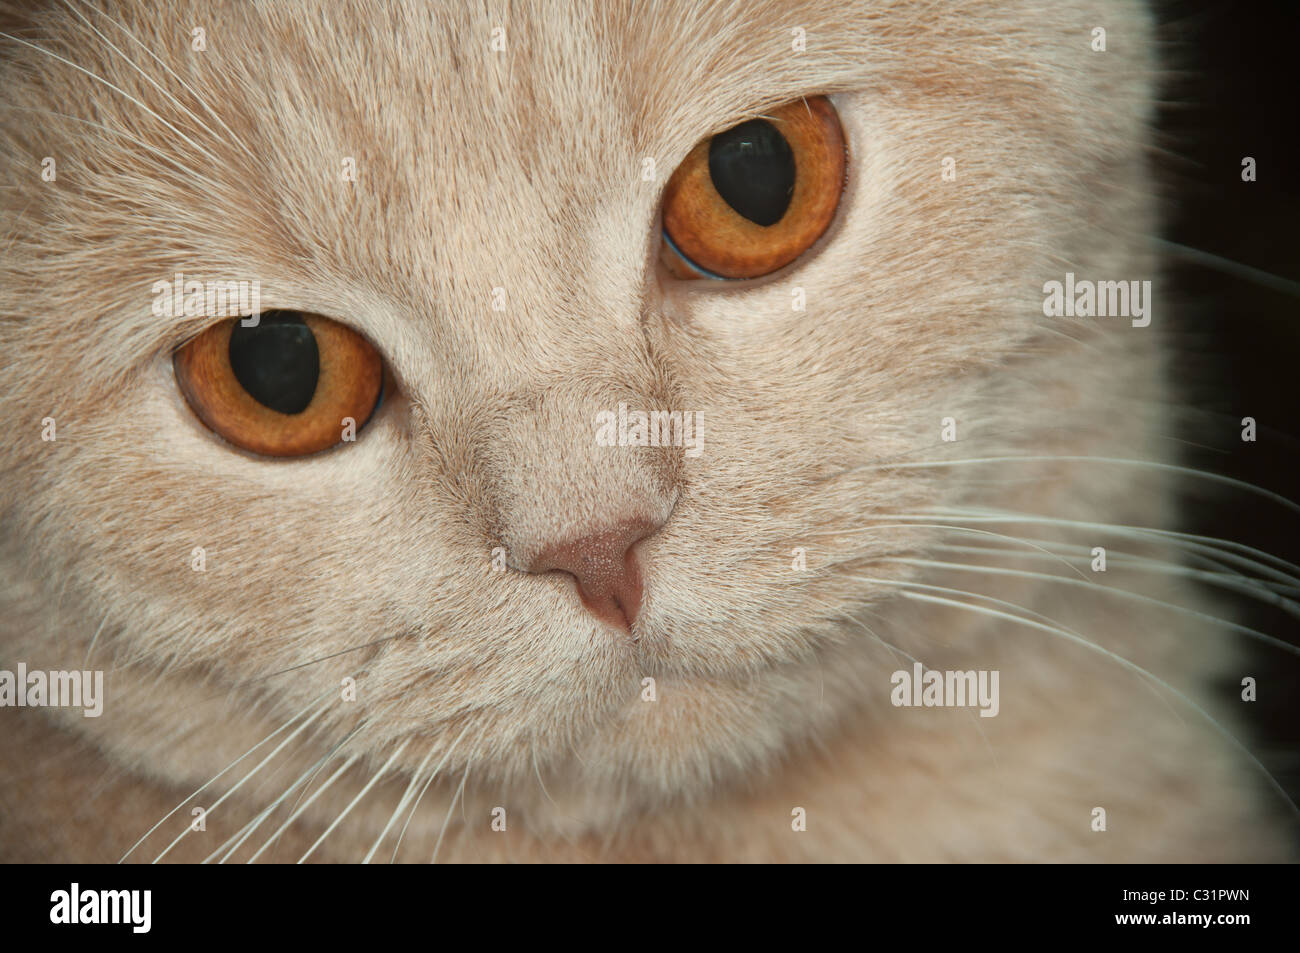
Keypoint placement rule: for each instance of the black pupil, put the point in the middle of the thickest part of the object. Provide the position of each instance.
(277, 361)
(752, 167)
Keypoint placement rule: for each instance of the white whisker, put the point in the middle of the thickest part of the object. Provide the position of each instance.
(348, 762)
(1098, 587)
(130, 62)
(401, 803)
(100, 79)
(1080, 640)
(423, 789)
(1192, 541)
(456, 797)
(278, 748)
(188, 88)
(1222, 575)
(923, 597)
(251, 827)
(1117, 461)
(203, 787)
(353, 803)
(974, 718)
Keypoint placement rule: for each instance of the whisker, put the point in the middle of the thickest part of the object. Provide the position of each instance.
(312, 780)
(1098, 587)
(93, 640)
(1117, 461)
(416, 805)
(1021, 541)
(915, 661)
(542, 784)
(193, 177)
(130, 62)
(1257, 589)
(1220, 548)
(317, 661)
(216, 777)
(299, 730)
(1222, 576)
(904, 588)
(402, 802)
(459, 791)
(304, 779)
(193, 92)
(924, 597)
(347, 763)
(99, 79)
(362, 793)
(1227, 266)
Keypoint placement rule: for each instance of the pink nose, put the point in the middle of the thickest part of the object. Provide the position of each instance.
(609, 579)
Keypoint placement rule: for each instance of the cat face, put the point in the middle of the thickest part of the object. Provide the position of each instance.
(484, 218)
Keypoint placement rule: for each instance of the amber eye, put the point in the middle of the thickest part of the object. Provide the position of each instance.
(754, 198)
(283, 386)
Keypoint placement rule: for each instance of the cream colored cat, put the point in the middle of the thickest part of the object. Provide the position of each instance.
(477, 633)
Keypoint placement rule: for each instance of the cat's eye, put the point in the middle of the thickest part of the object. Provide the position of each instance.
(754, 198)
(289, 384)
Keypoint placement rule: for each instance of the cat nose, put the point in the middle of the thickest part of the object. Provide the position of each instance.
(605, 566)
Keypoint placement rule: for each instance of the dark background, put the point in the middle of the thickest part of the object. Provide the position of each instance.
(1230, 92)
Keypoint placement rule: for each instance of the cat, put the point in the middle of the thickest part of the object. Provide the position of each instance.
(475, 632)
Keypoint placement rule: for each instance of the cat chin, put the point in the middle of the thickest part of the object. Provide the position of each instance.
(697, 737)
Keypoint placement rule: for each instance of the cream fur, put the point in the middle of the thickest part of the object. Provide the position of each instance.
(522, 170)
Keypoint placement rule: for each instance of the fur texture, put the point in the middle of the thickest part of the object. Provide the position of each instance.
(522, 170)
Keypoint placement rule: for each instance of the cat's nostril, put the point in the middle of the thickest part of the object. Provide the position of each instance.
(603, 563)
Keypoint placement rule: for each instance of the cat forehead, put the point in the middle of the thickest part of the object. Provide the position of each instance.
(586, 80)
(304, 119)
(412, 144)
(607, 75)
(313, 63)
